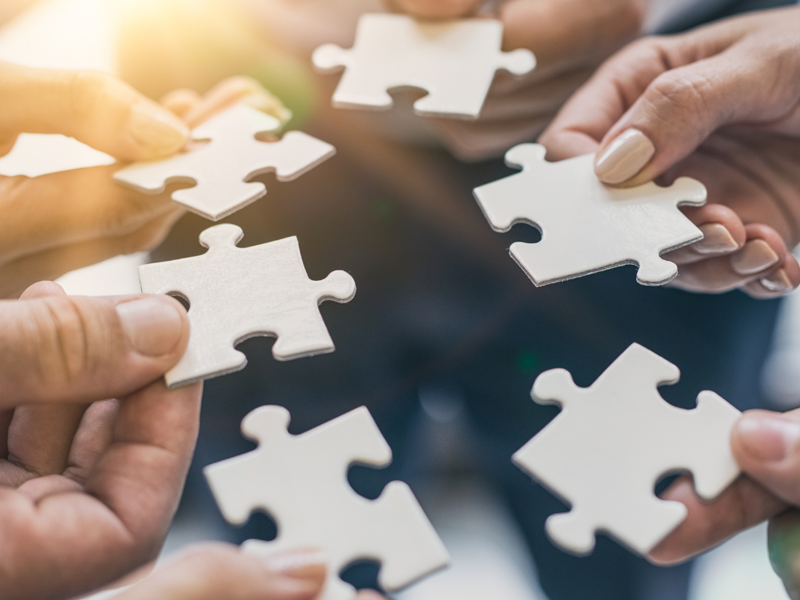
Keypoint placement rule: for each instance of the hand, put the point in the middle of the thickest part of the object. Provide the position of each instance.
(88, 486)
(767, 447)
(60, 222)
(569, 39)
(218, 571)
(673, 106)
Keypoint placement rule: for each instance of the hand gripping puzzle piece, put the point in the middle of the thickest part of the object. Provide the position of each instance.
(587, 226)
(220, 168)
(612, 441)
(454, 61)
(301, 481)
(239, 293)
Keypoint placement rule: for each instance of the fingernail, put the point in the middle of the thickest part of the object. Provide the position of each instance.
(716, 239)
(768, 438)
(778, 282)
(269, 104)
(158, 131)
(369, 595)
(624, 157)
(298, 564)
(153, 325)
(754, 257)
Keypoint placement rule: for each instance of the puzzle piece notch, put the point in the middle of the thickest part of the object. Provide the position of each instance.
(453, 61)
(586, 226)
(219, 168)
(301, 481)
(613, 441)
(238, 293)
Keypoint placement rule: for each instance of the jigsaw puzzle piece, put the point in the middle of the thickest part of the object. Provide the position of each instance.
(587, 226)
(635, 524)
(301, 481)
(220, 168)
(453, 61)
(611, 443)
(238, 293)
(302, 331)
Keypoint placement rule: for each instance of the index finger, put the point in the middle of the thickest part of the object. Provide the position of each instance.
(743, 505)
(594, 109)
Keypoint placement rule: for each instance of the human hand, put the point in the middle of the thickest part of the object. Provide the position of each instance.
(217, 571)
(719, 104)
(766, 446)
(88, 486)
(569, 39)
(63, 221)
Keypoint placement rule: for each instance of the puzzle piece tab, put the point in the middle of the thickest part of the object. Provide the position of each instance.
(301, 481)
(220, 168)
(612, 441)
(587, 226)
(454, 61)
(238, 293)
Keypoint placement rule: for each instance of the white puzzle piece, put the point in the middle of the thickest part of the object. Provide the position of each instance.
(454, 61)
(220, 168)
(301, 481)
(607, 448)
(239, 293)
(587, 226)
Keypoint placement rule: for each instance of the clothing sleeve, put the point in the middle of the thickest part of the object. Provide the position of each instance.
(668, 15)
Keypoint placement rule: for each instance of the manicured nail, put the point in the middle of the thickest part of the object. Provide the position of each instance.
(778, 282)
(768, 438)
(157, 130)
(298, 564)
(754, 257)
(153, 324)
(716, 239)
(624, 157)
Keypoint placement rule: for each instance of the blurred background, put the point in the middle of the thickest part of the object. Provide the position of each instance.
(158, 45)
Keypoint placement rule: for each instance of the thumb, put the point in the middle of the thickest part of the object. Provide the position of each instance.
(682, 107)
(766, 446)
(93, 107)
(80, 349)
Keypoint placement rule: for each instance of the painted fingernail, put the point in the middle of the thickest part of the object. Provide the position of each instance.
(157, 130)
(778, 282)
(153, 325)
(716, 239)
(768, 438)
(754, 257)
(624, 157)
(298, 564)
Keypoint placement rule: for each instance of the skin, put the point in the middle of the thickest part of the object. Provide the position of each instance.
(88, 486)
(719, 104)
(82, 217)
(569, 38)
(766, 446)
(215, 571)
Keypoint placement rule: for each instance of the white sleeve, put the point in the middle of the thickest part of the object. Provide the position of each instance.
(663, 14)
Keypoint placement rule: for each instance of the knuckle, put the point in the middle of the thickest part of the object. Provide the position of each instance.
(681, 95)
(64, 344)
